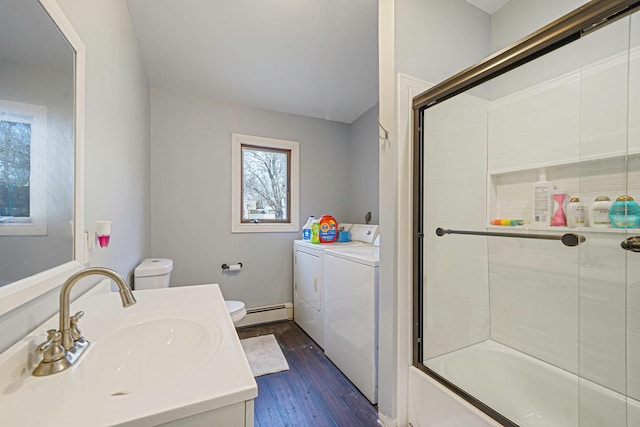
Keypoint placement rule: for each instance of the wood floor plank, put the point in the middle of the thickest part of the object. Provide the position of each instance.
(266, 408)
(313, 392)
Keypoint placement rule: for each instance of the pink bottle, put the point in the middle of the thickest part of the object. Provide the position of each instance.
(559, 218)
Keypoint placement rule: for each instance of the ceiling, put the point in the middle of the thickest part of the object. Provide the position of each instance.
(489, 6)
(315, 58)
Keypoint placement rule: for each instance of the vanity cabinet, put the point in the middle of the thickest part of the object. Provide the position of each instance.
(238, 415)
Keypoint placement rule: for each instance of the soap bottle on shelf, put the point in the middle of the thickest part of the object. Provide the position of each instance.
(599, 212)
(542, 201)
(559, 218)
(576, 213)
(625, 213)
(306, 229)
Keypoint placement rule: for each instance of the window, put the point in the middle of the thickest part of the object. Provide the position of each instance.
(264, 185)
(22, 169)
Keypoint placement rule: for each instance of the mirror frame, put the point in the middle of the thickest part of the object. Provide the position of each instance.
(15, 294)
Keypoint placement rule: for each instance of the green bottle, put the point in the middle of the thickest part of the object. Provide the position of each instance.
(315, 231)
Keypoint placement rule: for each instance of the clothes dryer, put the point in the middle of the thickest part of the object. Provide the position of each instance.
(308, 278)
(351, 315)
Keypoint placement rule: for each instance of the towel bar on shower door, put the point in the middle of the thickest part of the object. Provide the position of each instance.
(568, 239)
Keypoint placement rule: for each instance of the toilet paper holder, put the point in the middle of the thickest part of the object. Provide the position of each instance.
(232, 267)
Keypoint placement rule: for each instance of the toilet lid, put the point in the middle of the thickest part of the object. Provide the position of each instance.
(234, 306)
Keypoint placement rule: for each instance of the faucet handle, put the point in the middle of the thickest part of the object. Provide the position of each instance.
(52, 349)
(75, 332)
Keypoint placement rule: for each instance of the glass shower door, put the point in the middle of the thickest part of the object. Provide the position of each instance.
(608, 168)
(633, 256)
(530, 330)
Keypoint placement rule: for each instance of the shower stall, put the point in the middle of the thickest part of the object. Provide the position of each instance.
(534, 324)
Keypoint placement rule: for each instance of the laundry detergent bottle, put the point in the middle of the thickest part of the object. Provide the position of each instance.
(328, 229)
(306, 229)
(315, 231)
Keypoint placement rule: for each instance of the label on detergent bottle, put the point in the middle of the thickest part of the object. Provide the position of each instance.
(328, 229)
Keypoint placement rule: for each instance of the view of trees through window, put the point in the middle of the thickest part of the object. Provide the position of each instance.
(15, 168)
(265, 184)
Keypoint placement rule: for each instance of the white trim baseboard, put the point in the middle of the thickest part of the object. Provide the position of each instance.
(267, 314)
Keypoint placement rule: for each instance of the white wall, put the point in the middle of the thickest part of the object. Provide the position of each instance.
(363, 160)
(191, 192)
(116, 148)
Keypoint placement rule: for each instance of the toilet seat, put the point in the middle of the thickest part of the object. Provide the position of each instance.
(237, 310)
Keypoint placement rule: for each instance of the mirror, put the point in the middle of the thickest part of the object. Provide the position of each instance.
(40, 119)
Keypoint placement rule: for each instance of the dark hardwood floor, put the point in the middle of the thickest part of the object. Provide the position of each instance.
(313, 392)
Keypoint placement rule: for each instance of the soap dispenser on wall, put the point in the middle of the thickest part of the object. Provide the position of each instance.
(103, 233)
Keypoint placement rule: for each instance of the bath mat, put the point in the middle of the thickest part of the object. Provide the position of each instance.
(264, 355)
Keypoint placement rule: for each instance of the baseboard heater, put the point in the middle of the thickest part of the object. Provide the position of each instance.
(267, 314)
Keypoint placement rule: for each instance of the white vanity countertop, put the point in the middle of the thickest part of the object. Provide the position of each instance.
(125, 385)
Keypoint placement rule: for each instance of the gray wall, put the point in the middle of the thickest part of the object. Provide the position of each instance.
(191, 192)
(363, 160)
(116, 148)
(430, 44)
(117, 131)
(519, 18)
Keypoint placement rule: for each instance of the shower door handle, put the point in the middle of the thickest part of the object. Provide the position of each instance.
(631, 244)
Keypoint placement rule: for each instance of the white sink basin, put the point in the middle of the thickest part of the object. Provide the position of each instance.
(174, 354)
(148, 354)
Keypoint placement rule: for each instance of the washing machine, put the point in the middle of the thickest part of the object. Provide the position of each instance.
(308, 278)
(351, 314)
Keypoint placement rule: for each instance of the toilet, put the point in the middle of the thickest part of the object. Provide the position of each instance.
(154, 273)
(237, 311)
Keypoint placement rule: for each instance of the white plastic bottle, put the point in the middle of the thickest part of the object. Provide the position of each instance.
(599, 212)
(306, 228)
(542, 201)
(576, 213)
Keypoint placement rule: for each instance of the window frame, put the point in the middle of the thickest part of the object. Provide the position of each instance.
(36, 116)
(279, 226)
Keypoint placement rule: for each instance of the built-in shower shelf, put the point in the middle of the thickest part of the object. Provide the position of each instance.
(573, 163)
(510, 192)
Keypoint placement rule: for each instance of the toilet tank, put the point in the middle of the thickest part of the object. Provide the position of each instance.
(152, 273)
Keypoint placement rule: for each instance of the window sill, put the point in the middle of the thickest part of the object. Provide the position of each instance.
(23, 229)
(264, 228)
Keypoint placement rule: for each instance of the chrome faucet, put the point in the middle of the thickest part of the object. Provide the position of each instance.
(64, 346)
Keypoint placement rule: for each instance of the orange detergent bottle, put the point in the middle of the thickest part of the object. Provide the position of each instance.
(328, 229)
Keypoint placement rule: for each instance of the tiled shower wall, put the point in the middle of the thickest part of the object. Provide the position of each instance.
(576, 308)
(457, 289)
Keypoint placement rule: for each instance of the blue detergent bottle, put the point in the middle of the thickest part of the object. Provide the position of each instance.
(306, 228)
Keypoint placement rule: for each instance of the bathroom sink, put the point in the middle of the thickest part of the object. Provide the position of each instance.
(173, 355)
(148, 354)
